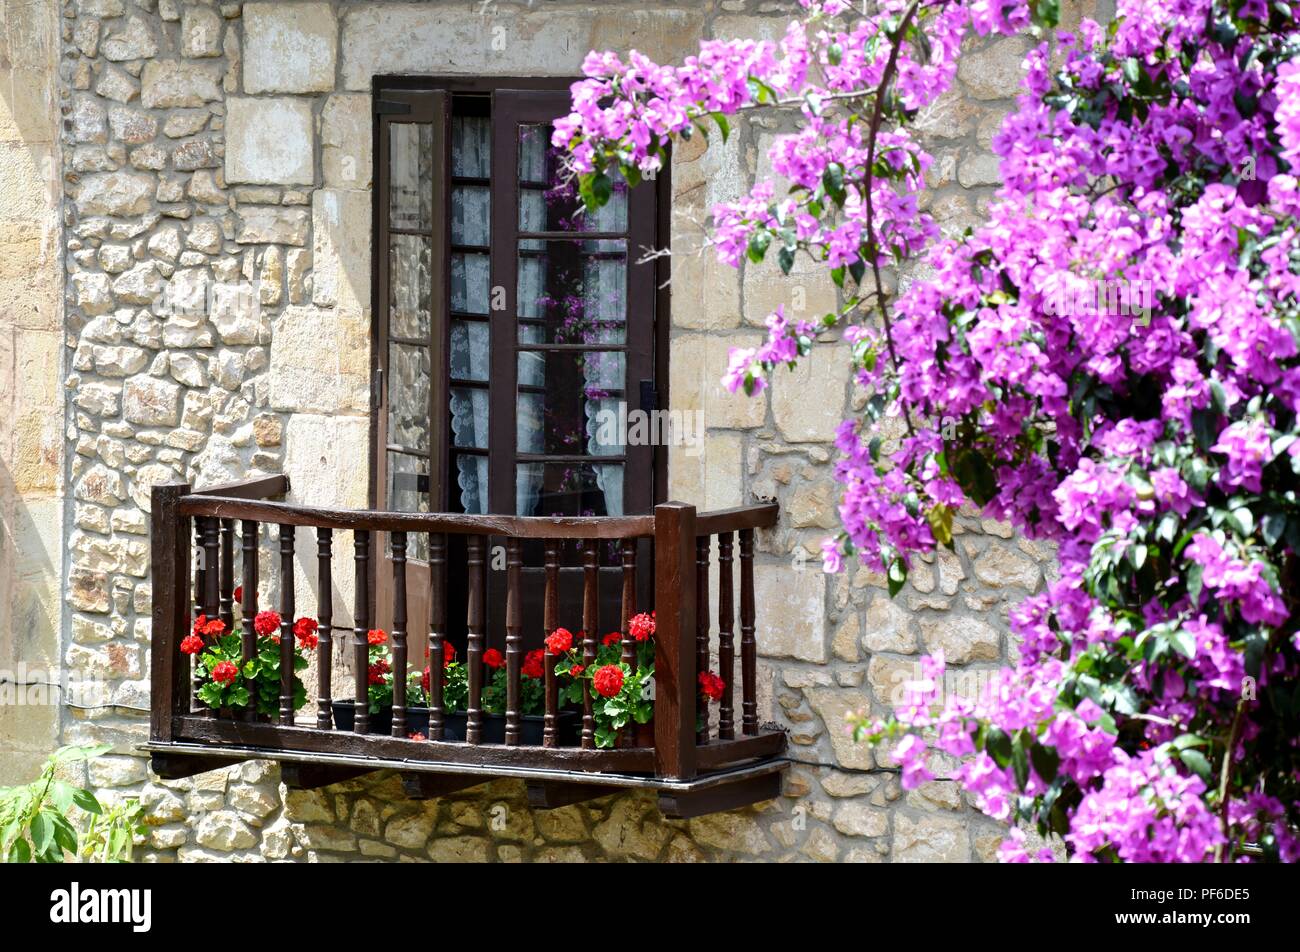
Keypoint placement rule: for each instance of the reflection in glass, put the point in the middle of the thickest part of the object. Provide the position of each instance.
(408, 491)
(408, 396)
(469, 283)
(471, 146)
(409, 267)
(569, 489)
(548, 195)
(469, 350)
(410, 192)
(578, 393)
(574, 292)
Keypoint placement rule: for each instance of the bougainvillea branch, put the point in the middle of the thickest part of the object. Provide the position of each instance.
(1118, 347)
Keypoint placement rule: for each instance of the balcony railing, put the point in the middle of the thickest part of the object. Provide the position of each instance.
(695, 771)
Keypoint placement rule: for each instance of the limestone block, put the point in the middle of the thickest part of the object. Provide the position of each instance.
(317, 361)
(791, 622)
(346, 141)
(270, 224)
(200, 31)
(151, 401)
(929, 839)
(289, 47)
(711, 479)
(808, 402)
(341, 252)
(115, 193)
(696, 366)
(961, 639)
(889, 627)
(168, 83)
(270, 141)
(831, 705)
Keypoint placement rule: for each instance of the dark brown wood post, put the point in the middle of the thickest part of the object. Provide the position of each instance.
(726, 639)
(474, 641)
(200, 582)
(226, 602)
(324, 618)
(748, 647)
(702, 546)
(590, 620)
(398, 542)
(211, 569)
(248, 530)
(550, 621)
(628, 657)
(437, 628)
(514, 640)
(287, 609)
(169, 566)
(675, 676)
(360, 631)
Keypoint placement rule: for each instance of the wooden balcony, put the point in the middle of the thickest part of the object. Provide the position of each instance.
(695, 771)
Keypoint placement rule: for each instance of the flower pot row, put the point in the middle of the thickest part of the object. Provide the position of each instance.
(568, 724)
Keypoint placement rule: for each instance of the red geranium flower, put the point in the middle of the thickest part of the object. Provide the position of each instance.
(378, 672)
(304, 629)
(224, 673)
(238, 594)
(376, 636)
(641, 626)
(534, 667)
(559, 641)
(191, 644)
(608, 680)
(712, 686)
(448, 652)
(424, 680)
(577, 669)
(211, 627)
(266, 623)
(493, 658)
(613, 638)
(416, 735)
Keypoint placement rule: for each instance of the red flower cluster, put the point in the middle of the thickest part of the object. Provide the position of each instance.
(559, 641)
(577, 670)
(712, 686)
(266, 623)
(494, 659)
(641, 626)
(238, 594)
(224, 672)
(448, 652)
(613, 638)
(534, 666)
(416, 735)
(378, 673)
(191, 644)
(608, 680)
(304, 629)
(376, 636)
(210, 627)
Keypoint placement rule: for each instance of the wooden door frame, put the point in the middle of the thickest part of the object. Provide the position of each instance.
(396, 86)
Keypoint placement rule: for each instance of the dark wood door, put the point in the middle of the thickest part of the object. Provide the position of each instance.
(540, 329)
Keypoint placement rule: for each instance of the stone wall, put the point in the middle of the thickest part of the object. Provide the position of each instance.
(219, 153)
(31, 400)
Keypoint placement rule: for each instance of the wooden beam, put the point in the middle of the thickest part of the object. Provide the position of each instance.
(545, 795)
(170, 766)
(426, 786)
(675, 641)
(684, 805)
(300, 776)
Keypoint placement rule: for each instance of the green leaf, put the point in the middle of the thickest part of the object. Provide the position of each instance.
(1045, 761)
(758, 243)
(897, 576)
(86, 801)
(1196, 762)
(42, 832)
(785, 258)
(940, 520)
(20, 852)
(723, 126)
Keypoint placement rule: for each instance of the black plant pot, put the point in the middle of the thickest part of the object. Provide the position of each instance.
(568, 725)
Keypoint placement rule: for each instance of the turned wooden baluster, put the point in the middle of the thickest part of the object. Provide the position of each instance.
(398, 542)
(286, 625)
(474, 642)
(628, 656)
(590, 622)
(702, 545)
(514, 641)
(248, 607)
(748, 647)
(437, 628)
(211, 570)
(226, 607)
(550, 621)
(324, 618)
(200, 589)
(360, 629)
(726, 645)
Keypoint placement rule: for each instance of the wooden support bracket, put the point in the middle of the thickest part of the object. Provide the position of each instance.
(427, 786)
(301, 776)
(729, 796)
(179, 766)
(544, 795)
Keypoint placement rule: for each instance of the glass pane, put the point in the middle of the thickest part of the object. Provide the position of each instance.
(408, 491)
(574, 292)
(469, 283)
(469, 350)
(409, 260)
(472, 480)
(410, 194)
(548, 196)
(569, 489)
(408, 396)
(471, 142)
(469, 417)
(576, 412)
(470, 209)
